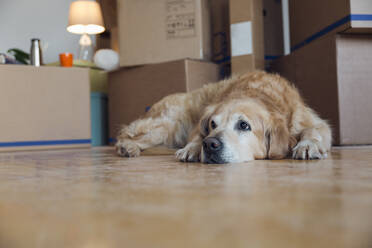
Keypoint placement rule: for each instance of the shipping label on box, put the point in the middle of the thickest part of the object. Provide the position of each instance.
(241, 38)
(180, 19)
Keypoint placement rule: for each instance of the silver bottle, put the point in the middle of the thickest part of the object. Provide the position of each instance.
(36, 57)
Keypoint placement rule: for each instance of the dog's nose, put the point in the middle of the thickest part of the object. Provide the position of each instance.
(212, 145)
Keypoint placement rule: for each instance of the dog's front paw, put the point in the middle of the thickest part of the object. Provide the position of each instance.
(127, 148)
(308, 149)
(190, 153)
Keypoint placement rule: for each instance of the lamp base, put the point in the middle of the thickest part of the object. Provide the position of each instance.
(86, 50)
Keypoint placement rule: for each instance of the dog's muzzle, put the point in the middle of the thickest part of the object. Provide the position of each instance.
(212, 148)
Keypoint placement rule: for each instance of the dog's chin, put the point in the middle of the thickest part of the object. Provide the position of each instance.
(213, 159)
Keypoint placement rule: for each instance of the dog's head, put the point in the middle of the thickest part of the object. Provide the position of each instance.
(242, 130)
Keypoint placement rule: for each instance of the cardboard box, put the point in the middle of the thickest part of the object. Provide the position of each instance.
(98, 77)
(44, 107)
(133, 90)
(163, 30)
(273, 29)
(221, 44)
(334, 76)
(310, 20)
(247, 43)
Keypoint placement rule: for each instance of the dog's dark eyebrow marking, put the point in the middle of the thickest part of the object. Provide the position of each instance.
(243, 118)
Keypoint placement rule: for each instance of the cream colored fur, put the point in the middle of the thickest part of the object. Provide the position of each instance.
(282, 125)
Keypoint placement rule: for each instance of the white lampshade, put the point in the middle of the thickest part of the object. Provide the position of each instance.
(85, 18)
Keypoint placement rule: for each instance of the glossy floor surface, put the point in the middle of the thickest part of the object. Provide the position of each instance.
(94, 199)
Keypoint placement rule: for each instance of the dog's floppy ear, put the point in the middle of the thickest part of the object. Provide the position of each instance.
(278, 139)
(204, 121)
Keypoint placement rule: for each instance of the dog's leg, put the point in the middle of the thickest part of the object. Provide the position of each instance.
(149, 132)
(136, 137)
(314, 142)
(165, 124)
(191, 152)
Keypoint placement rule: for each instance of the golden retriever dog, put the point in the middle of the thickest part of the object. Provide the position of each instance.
(253, 116)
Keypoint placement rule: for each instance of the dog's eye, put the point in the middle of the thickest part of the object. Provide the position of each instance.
(213, 125)
(243, 126)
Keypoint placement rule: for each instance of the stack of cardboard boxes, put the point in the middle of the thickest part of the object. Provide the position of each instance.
(331, 62)
(169, 46)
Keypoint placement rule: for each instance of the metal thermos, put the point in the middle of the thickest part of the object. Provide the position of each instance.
(36, 58)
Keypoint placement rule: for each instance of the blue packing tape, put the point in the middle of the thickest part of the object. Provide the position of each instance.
(324, 31)
(45, 143)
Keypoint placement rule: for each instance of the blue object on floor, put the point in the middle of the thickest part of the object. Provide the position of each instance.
(99, 118)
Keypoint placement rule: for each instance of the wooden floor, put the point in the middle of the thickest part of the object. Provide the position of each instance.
(94, 199)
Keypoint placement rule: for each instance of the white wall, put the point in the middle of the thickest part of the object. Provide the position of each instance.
(21, 20)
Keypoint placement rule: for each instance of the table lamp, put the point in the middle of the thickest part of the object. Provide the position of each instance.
(85, 18)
